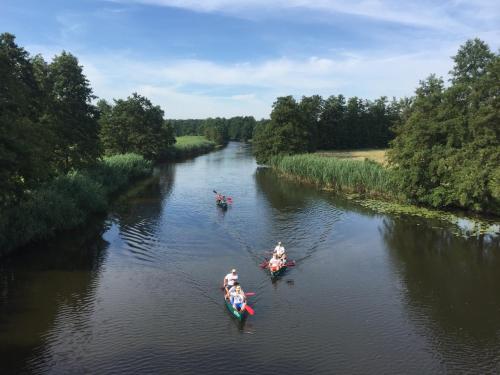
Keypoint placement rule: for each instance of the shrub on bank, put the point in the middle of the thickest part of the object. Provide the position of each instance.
(68, 201)
(365, 177)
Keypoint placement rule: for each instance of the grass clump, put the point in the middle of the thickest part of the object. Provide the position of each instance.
(343, 175)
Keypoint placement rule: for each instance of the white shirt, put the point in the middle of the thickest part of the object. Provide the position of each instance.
(231, 279)
(237, 297)
(280, 250)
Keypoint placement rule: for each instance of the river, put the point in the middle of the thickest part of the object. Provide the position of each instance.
(138, 291)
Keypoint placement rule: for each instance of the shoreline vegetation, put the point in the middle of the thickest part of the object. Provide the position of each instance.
(69, 200)
(371, 185)
(442, 144)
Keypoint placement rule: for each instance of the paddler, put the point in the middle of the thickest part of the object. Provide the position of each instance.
(275, 263)
(279, 250)
(230, 279)
(238, 299)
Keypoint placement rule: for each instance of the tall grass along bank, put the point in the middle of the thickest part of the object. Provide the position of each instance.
(189, 146)
(343, 175)
(68, 201)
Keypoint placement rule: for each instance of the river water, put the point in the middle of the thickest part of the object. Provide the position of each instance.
(138, 291)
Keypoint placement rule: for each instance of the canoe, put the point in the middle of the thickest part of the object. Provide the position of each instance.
(234, 312)
(221, 204)
(279, 272)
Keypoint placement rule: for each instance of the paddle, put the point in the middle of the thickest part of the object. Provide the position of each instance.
(250, 294)
(249, 309)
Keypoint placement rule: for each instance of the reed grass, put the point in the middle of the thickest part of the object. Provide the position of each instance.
(191, 145)
(343, 175)
(68, 200)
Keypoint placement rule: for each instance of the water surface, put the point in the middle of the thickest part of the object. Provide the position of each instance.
(138, 291)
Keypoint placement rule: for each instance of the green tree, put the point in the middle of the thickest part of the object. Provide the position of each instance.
(331, 120)
(70, 115)
(23, 142)
(447, 152)
(286, 133)
(310, 111)
(135, 125)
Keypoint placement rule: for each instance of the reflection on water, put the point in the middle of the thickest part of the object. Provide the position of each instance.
(451, 284)
(40, 284)
(140, 292)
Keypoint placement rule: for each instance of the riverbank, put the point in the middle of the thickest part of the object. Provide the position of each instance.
(68, 201)
(370, 184)
(189, 146)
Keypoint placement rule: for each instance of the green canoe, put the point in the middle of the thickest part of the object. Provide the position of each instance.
(234, 312)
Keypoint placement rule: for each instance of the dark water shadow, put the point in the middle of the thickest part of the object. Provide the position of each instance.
(451, 287)
(37, 283)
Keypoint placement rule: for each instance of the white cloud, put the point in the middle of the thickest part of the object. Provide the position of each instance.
(200, 88)
(449, 15)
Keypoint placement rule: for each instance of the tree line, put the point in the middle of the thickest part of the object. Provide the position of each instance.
(315, 123)
(220, 130)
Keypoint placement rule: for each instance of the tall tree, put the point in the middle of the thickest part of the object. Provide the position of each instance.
(23, 146)
(135, 125)
(286, 133)
(447, 153)
(331, 120)
(71, 116)
(310, 110)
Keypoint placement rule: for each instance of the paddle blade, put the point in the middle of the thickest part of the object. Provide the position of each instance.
(250, 294)
(214, 191)
(249, 309)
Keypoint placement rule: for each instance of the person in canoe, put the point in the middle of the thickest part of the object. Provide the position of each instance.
(233, 289)
(238, 299)
(275, 263)
(279, 250)
(229, 280)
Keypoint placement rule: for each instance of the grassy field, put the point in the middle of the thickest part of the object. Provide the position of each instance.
(188, 141)
(380, 156)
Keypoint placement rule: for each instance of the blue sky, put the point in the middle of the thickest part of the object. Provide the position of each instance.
(234, 57)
